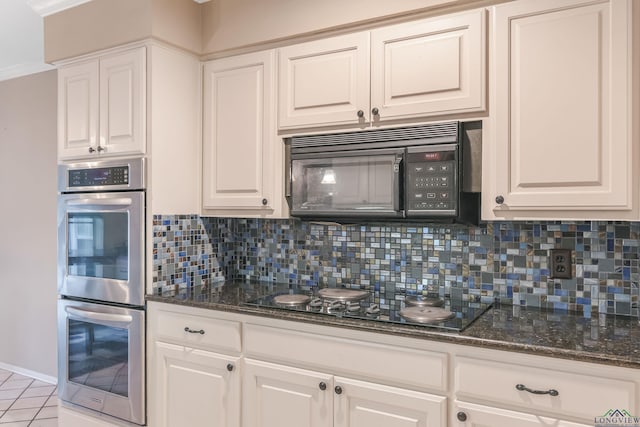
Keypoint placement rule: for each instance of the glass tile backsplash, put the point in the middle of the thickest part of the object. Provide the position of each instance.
(508, 261)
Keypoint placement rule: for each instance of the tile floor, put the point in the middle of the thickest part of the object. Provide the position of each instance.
(25, 401)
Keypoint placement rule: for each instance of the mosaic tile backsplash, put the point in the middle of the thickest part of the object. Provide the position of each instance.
(507, 261)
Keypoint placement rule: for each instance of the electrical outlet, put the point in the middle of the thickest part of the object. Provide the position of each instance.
(560, 264)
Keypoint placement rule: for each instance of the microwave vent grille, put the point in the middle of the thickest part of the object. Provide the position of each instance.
(434, 133)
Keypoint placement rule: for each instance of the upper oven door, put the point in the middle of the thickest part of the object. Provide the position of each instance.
(359, 183)
(101, 246)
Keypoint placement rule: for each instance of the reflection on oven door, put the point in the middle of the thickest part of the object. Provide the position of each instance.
(101, 358)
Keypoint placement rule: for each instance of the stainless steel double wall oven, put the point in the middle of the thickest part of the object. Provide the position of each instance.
(101, 271)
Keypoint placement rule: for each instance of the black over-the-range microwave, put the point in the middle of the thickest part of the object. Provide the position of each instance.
(429, 173)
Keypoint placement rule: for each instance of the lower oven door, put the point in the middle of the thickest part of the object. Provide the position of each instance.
(101, 360)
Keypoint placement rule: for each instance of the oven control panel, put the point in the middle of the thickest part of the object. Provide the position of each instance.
(432, 181)
(115, 175)
(102, 175)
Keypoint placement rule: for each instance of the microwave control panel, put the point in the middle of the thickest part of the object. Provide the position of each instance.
(432, 182)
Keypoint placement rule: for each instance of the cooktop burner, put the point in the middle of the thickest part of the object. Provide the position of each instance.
(426, 314)
(428, 311)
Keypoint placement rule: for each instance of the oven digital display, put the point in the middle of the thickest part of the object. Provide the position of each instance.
(117, 175)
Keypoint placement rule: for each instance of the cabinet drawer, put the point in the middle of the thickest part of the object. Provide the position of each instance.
(216, 334)
(392, 365)
(579, 395)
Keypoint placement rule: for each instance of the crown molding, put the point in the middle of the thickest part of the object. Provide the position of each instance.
(20, 70)
(49, 7)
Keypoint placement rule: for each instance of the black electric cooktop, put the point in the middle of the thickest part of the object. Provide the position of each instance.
(430, 311)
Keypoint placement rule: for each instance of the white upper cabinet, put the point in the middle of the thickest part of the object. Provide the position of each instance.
(425, 68)
(324, 82)
(242, 161)
(560, 144)
(431, 67)
(101, 106)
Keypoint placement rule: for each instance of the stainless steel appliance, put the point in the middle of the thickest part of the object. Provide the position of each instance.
(102, 358)
(101, 271)
(429, 172)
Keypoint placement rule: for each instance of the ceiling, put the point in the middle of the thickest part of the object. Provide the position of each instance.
(22, 35)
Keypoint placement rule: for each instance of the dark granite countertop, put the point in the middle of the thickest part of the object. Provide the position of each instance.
(604, 339)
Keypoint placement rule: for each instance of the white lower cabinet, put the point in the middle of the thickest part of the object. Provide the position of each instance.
(194, 368)
(470, 415)
(195, 387)
(506, 389)
(284, 396)
(364, 404)
(222, 369)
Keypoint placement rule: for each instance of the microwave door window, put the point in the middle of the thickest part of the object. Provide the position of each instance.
(344, 184)
(98, 245)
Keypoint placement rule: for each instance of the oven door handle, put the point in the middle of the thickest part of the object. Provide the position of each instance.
(109, 319)
(102, 203)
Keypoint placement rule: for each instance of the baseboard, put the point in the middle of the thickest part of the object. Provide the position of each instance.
(37, 375)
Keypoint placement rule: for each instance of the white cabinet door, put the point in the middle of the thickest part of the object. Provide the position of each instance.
(362, 404)
(78, 110)
(470, 415)
(122, 103)
(324, 82)
(562, 140)
(283, 396)
(239, 146)
(194, 387)
(429, 67)
(101, 106)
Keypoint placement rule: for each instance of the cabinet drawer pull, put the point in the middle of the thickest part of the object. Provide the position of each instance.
(551, 392)
(461, 416)
(323, 386)
(192, 331)
(229, 367)
(338, 389)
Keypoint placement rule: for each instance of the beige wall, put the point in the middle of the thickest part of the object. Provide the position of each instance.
(218, 26)
(101, 24)
(28, 217)
(230, 24)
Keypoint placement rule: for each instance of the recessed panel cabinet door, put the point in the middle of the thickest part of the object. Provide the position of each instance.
(239, 132)
(195, 388)
(122, 102)
(363, 404)
(324, 82)
(77, 110)
(429, 67)
(283, 396)
(102, 106)
(562, 123)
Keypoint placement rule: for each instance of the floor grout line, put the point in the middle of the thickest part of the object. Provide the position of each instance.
(38, 409)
